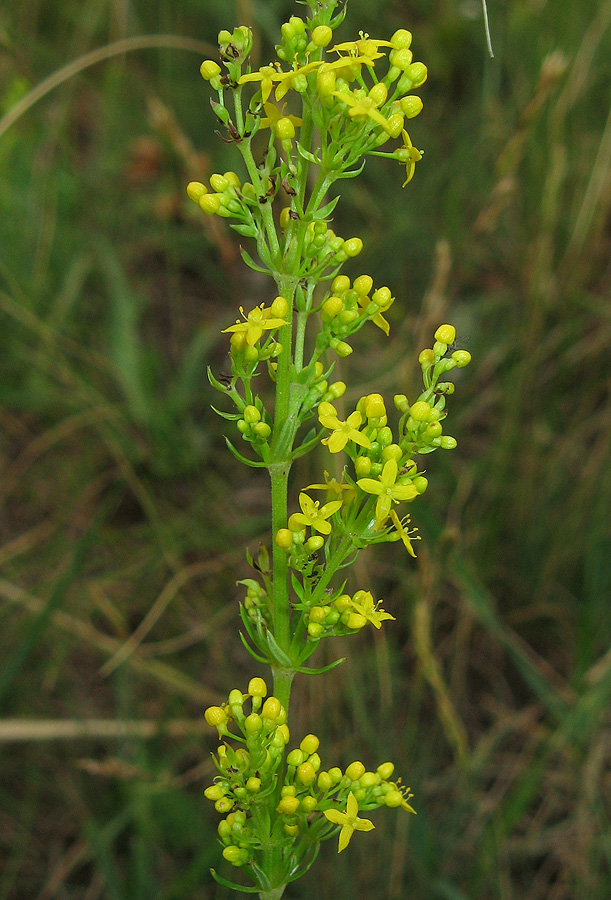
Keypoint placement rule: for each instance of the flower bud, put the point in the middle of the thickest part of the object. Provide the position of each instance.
(462, 358)
(257, 687)
(271, 709)
(363, 285)
(308, 804)
(420, 411)
(411, 107)
(284, 538)
(309, 744)
(253, 723)
(417, 73)
(279, 308)
(218, 183)
(210, 203)
(331, 308)
(378, 93)
(355, 620)
(288, 806)
(401, 39)
(306, 773)
(340, 284)
(420, 483)
(426, 358)
(343, 349)
(209, 69)
(215, 716)
(446, 334)
(353, 246)
(295, 757)
(322, 35)
(315, 543)
(237, 856)
(324, 781)
(362, 466)
(214, 792)
(195, 190)
(284, 129)
(355, 771)
(393, 799)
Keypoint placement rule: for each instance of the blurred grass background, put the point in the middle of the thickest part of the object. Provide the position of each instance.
(123, 519)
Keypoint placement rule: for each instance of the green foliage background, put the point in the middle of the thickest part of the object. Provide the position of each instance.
(122, 514)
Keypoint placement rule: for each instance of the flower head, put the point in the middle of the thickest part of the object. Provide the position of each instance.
(334, 488)
(362, 107)
(403, 532)
(256, 322)
(342, 432)
(313, 514)
(409, 156)
(349, 821)
(387, 490)
(273, 115)
(364, 604)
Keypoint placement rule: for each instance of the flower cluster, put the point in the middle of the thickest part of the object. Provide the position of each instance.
(352, 612)
(301, 122)
(308, 802)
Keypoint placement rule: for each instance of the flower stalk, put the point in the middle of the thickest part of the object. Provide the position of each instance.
(302, 123)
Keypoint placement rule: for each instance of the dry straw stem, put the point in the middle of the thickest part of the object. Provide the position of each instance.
(126, 45)
(451, 723)
(75, 729)
(159, 671)
(159, 607)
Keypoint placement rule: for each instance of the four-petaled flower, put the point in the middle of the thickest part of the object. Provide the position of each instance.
(363, 107)
(267, 75)
(387, 490)
(257, 321)
(403, 532)
(287, 79)
(313, 514)
(378, 319)
(364, 604)
(334, 488)
(349, 821)
(365, 47)
(273, 116)
(342, 432)
(408, 156)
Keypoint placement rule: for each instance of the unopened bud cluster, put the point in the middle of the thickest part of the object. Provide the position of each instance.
(260, 775)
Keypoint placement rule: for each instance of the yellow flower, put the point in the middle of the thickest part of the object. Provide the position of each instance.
(342, 432)
(313, 514)
(364, 604)
(363, 107)
(387, 490)
(402, 531)
(267, 75)
(365, 47)
(378, 319)
(274, 115)
(257, 321)
(333, 488)
(287, 79)
(408, 155)
(349, 821)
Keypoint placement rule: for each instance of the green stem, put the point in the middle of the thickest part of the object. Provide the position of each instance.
(274, 894)
(343, 549)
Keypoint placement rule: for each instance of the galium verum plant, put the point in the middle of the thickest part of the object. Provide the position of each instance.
(301, 124)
